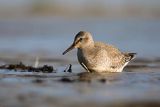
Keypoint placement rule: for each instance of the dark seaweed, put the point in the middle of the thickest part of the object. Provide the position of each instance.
(23, 68)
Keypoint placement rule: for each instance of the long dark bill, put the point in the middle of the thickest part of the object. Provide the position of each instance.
(69, 49)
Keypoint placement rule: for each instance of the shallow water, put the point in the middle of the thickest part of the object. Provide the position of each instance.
(140, 87)
(24, 40)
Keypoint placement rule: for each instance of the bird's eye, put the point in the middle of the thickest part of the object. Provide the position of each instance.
(80, 39)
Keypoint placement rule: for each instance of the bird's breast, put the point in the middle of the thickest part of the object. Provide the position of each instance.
(81, 56)
(89, 58)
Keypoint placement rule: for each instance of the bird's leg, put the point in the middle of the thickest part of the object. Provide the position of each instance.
(85, 67)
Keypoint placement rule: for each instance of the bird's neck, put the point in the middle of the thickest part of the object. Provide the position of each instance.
(88, 47)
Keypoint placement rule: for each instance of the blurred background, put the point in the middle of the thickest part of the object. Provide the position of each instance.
(32, 29)
(45, 28)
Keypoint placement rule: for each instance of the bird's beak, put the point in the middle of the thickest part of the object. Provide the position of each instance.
(69, 49)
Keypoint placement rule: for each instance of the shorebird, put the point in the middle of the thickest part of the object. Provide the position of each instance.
(98, 56)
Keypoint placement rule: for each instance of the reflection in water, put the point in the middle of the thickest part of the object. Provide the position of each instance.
(99, 77)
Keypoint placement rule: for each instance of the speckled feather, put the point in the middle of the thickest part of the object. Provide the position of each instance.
(98, 56)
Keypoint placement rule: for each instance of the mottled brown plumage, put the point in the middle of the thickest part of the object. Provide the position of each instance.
(97, 56)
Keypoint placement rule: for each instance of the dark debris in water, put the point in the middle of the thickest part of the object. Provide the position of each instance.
(23, 68)
(66, 80)
(68, 69)
(85, 77)
(102, 80)
(39, 81)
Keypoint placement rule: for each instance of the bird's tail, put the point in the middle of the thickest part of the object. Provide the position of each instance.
(129, 56)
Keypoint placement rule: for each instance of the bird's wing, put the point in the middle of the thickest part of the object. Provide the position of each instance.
(115, 56)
